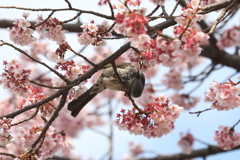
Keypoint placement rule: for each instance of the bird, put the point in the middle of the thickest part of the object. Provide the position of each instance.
(133, 82)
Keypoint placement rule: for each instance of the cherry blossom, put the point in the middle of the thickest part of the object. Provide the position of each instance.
(70, 69)
(134, 151)
(229, 38)
(226, 138)
(155, 120)
(5, 136)
(66, 122)
(189, 14)
(184, 100)
(225, 96)
(15, 78)
(131, 23)
(172, 79)
(53, 141)
(186, 143)
(51, 29)
(92, 34)
(35, 96)
(21, 33)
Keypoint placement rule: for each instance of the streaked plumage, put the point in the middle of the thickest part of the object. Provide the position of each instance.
(133, 80)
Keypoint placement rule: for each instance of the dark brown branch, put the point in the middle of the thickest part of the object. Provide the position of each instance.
(49, 16)
(218, 20)
(58, 10)
(85, 58)
(69, 4)
(211, 150)
(66, 21)
(53, 117)
(35, 60)
(8, 154)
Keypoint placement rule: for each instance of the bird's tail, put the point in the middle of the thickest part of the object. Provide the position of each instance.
(77, 105)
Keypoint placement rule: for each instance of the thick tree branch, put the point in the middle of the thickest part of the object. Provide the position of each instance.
(196, 153)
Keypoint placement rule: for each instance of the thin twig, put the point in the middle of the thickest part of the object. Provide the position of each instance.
(218, 20)
(60, 9)
(108, 30)
(69, 4)
(66, 21)
(35, 60)
(153, 11)
(175, 7)
(127, 92)
(158, 33)
(8, 154)
(111, 8)
(45, 20)
(42, 85)
(34, 115)
(199, 112)
(235, 124)
(53, 117)
(85, 58)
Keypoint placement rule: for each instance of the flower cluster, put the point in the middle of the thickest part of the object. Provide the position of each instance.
(51, 29)
(172, 79)
(53, 141)
(71, 69)
(189, 15)
(14, 78)
(229, 38)
(35, 96)
(225, 96)
(155, 120)
(21, 33)
(135, 150)
(130, 23)
(36, 48)
(5, 136)
(59, 54)
(184, 100)
(91, 31)
(226, 138)
(66, 122)
(186, 143)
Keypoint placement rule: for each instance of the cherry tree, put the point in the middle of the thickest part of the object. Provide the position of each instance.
(167, 43)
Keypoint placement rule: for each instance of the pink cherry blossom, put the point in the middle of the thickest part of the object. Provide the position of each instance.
(226, 138)
(225, 96)
(155, 120)
(53, 142)
(5, 136)
(184, 100)
(51, 29)
(15, 78)
(186, 143)
(172, 79)
(229, 38)
(21, 33)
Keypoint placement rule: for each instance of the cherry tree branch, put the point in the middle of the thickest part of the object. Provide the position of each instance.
(199, 112)
(211, 150)
(35, 60)
(53, 117)
(60, 9)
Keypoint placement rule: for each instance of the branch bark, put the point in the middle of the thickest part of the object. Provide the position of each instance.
(196, 153)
